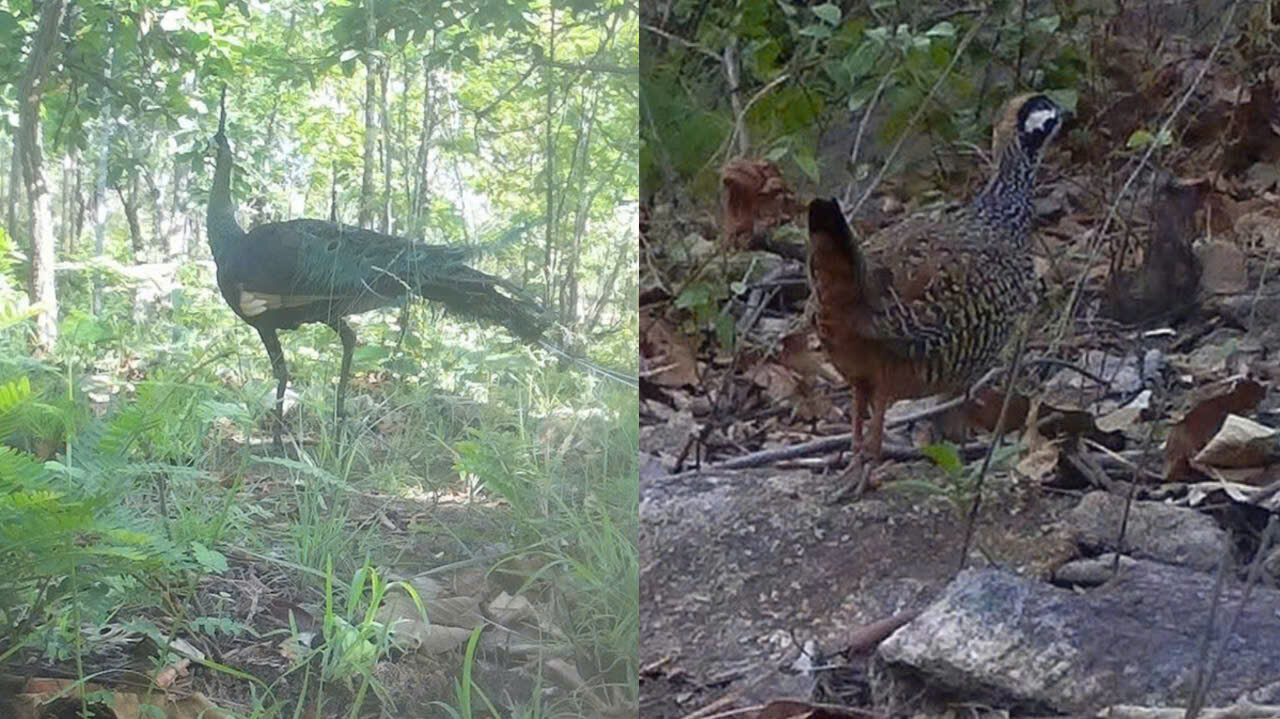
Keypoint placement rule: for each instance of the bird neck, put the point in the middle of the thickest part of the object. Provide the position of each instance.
(221, 220)
(1006, 201)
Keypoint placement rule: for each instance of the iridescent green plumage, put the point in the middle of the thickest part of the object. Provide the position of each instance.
(283, 274)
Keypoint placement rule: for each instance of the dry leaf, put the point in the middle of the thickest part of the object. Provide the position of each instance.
(777, 381)
(170, 674)
(755, 198)
(436, 639)
(1042, 455)
(1213, 404)
(1240, 443)
(983, 410)
(506, 609)
(1224, 268)
(455, 611)
(1126, 416)
(669, 356)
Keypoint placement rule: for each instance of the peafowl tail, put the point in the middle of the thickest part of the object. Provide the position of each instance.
(472, 293)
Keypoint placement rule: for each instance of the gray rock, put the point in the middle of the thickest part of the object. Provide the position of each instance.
(1162, 532)
(1010, 641)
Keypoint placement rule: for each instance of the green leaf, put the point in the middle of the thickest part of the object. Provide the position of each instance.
(370, 354)
(822, 32)
(808, 164)
(1067, 98)
(1046, 24)
(695, 295)
(724, 331)
(209, 559)
(828, 13)
(1141, 138)
(942, 29)
(946, 456)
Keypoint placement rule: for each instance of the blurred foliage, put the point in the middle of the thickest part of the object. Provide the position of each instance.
(125, 451)
(804, 68)
(66, 531)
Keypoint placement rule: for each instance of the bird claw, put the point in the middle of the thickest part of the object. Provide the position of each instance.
(856, 480)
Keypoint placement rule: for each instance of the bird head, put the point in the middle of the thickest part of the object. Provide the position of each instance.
(219, 140)
(1030, 120)
(1039, 119)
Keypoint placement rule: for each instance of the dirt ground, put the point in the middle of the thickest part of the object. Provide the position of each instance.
(740, 569)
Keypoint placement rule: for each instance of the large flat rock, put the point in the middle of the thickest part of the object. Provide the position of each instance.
(1017, 642)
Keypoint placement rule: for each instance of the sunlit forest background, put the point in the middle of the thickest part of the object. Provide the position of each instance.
(461, 543)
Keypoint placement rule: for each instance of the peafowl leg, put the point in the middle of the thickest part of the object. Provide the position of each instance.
(348, 337)
(276, 354)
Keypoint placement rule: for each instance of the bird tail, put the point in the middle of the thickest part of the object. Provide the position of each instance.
(471, 293)
(836, 263)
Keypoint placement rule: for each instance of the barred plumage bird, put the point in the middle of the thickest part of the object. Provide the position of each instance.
(926, 305)
(280, 275)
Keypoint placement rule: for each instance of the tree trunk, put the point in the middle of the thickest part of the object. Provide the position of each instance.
(582, 165)
(43, 289)
(623, 256)
(548, 266)
(370, 119)
(422, 191)
(384, 222)
(5, 187)
(106, 132)
(77, 221)
(333, 193)
(15, 188)
(64, 204)
(176, 237)
(159, 223)
(106, 129)
(130, 202)
(401, 135)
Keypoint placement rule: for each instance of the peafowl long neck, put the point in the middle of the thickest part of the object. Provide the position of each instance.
(221, 220)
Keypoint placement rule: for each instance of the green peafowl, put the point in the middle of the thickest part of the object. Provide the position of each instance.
(283, 274)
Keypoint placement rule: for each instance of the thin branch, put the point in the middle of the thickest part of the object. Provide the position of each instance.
(675, 38)
(902, 138)
(862, 127)
(995, 444)
(835, 442)
(730, 63)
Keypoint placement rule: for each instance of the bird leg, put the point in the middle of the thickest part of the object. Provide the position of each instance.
(276, 355)
(861, 393)
(855, 480)
(348, 337)
(875, 439)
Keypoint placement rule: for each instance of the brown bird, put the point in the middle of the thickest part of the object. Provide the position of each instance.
(925, 306)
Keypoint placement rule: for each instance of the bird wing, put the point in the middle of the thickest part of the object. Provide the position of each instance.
(310, 259)
(932, 284)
